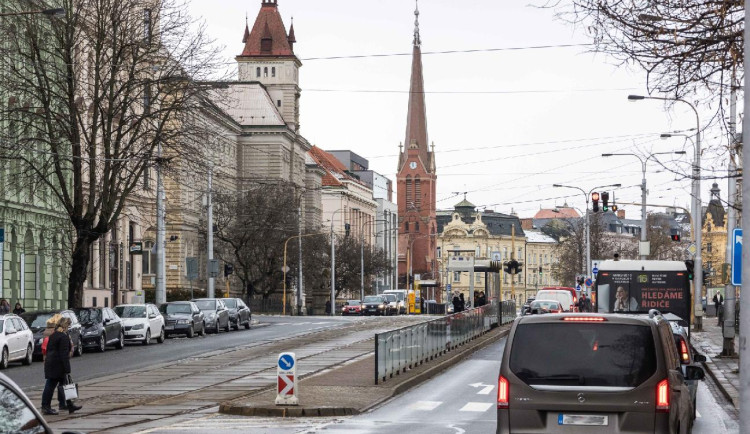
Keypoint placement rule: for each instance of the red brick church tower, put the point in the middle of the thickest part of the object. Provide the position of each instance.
(416, 181)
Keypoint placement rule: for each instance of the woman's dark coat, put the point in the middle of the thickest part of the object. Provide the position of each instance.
(57, 361)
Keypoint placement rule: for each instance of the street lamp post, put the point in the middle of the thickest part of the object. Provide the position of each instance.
(698, 225)
(644, 192)
(586, 223)
(333, 266)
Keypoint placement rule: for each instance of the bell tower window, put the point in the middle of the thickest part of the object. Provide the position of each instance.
(257, 72)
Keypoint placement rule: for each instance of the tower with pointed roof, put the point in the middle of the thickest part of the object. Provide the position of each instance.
(268, 57)
(416, 181)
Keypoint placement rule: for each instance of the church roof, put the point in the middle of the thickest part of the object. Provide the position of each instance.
(715, 207)
(268, 26)
(249, 104)
(465, 204)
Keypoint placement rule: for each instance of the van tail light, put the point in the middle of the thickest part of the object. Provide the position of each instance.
(662, 396)
(503, 392)
(684, 354)
(584, 318)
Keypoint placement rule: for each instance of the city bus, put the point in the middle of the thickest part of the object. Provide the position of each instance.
(635, 286)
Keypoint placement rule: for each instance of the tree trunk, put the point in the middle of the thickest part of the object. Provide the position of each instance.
(80, 261)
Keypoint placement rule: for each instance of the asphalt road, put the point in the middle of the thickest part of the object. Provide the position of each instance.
(136, 356)
(460, 401)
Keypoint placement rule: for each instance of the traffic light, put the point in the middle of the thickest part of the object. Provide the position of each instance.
(512, 267)
(614, 208)
(506, 267)
(595, 201)
(518, 267)
(228, 269)
(605, 201)
(347, 229)
(706, 274)
(675, 237)
(690, 264)
(540, 269)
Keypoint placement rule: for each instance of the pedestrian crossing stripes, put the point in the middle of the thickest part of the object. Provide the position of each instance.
(476, 406)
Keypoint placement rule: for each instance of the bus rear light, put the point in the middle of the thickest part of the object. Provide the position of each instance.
(503, 392)
(662, 396)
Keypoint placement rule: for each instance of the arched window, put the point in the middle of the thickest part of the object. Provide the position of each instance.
(416, 226)
(417, 192)
(409, 193)
(265, 71)
(273, 71)
(406, 226)
(257, 72)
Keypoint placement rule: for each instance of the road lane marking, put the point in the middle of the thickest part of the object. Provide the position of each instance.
(697, 414)
(476, 406)
(486, 388)
(425, 405)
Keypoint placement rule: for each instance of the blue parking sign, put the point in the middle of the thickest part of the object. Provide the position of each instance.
(737, 257)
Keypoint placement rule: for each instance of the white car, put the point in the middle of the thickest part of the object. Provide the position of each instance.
(16, 341)
(141, 322)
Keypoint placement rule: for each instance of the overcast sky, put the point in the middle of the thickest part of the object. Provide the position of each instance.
(506, 124)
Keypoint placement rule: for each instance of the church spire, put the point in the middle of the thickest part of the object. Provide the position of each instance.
(246, 36)
(416, 122)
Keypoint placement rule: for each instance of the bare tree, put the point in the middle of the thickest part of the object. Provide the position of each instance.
(682, 45)
(89, 96)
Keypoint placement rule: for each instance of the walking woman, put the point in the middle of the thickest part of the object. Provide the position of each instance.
(57, 368)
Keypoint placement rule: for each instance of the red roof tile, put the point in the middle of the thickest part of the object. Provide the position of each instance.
(268, 25)
(335, 169)
(557, 213)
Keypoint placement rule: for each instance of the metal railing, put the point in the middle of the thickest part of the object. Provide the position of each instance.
(407, 347)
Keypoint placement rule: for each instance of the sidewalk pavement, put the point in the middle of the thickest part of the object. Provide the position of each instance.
(350, 389)
(723, 370)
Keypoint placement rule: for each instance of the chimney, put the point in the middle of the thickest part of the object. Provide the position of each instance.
(620, 213)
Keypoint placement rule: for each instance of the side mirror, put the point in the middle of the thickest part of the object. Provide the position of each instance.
(694, 373)
(699, 358)
(106, 321)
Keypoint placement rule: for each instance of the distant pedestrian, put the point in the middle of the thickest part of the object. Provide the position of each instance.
(461, 302)
(4, 307)
(19, 310)
(584, 304)
(328, 307)
(456, 303)
(718, 301)
(57, 368)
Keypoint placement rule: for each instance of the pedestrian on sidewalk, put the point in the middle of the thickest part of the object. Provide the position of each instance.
(4, 306)
(19, 309)
(718, 302)
(456, 303)
(57, 368)
(461, 302)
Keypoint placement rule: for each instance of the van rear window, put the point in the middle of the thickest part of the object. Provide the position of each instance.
(578, 354)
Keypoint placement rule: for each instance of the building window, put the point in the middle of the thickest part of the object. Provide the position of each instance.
(439, 252)
(278, 103)
(257, 72)
(478, 277)
(147, 98)
(265, 72)
(505, 253)
(106, 301)
(147, 256)
(520, 253)
(147, 178)
(406, 226)
(147, 26)
(93, 301)
(709, 247)
(456, 276)
(409, 194)
(418, 192)
(273, 71)
(416, 226)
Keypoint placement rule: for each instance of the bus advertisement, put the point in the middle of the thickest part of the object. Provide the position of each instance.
(631, 286)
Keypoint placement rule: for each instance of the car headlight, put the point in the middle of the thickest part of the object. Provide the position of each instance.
(381, 306)
(138, 327)
(183, 321)
(39, 341)
(343, 309)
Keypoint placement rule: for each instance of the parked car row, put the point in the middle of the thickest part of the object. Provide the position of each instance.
(96, 328)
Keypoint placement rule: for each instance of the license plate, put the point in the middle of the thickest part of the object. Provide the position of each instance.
(171, 327)
(582, 419)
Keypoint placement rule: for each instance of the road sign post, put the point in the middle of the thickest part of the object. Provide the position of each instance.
(286, 380)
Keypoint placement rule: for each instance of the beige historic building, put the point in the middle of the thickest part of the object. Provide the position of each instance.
(540, 262)
(714, 237)
(486, 235)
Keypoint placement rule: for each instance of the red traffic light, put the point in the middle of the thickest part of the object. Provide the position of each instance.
(594, 196)
(675, 237)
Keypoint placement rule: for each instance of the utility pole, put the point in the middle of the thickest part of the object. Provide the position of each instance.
(333, 270)
(644, 228)
(300, 283)
(729, 290)
(211, 281)
(744, 365)
(161, 293)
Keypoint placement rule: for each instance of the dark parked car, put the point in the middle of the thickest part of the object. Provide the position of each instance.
(37, 321)
(217, 315)
(375, 305)
(239, 313)
(183, 318)
(527, 305)
(101, 327)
